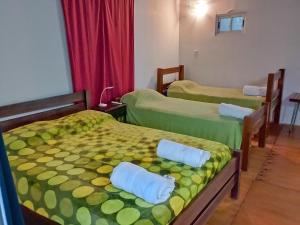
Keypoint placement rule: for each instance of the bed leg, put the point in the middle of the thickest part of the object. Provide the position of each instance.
(262, 136)
(247, 132)
(236, 188)
(245, 153)
(280, 88)
(235, 191)
(264, 129)
(277, 114)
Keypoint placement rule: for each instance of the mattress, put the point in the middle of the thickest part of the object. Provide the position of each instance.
(190, 90)
(199, 119)
(61, 169)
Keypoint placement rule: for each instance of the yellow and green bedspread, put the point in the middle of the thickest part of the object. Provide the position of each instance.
(61, 169)
(190, 90)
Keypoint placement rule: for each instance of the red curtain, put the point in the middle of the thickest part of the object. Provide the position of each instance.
(100, 36)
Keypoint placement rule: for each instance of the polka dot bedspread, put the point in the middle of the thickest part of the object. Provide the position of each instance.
(61, 169)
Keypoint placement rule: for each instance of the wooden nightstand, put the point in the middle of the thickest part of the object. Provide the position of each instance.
(118, 111)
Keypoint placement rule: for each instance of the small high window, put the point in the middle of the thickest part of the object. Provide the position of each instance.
(230, 22)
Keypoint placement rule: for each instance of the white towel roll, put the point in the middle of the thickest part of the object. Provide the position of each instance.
(151, 187)
(234, 111)
(181, 153)
(254, 90)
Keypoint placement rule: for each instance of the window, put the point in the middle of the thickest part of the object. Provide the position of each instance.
(224, 24)
(230, 22)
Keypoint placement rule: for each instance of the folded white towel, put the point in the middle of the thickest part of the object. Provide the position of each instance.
(181, 153)
(234, 111)
(151, 187)
(254, 90)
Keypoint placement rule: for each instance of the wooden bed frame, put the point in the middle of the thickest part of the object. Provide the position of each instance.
(269, 113)
(198, 211)
(256, 123)
(161, 73)
(273, 96)
(52, 108)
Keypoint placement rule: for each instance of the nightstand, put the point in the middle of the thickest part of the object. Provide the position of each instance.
(118, 111)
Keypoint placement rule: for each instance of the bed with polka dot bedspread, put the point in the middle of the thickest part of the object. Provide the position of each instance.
(61, 169)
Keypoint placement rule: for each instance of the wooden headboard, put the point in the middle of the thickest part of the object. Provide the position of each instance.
(52, 108)
(274, 95)
(163, 87)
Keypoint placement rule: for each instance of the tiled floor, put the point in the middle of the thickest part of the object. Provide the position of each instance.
(270, 190)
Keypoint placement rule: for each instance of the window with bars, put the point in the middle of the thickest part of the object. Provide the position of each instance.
(230, 22)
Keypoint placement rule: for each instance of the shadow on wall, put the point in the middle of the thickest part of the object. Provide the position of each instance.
(152, 82)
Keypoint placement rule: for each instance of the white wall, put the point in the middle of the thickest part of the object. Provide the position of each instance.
(156, 39)
(33, 54)
(270, 41)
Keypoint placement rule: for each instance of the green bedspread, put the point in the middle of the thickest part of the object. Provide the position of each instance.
(190, 90)
(199, 119)
(61, 169)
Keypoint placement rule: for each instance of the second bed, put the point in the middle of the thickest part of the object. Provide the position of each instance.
(190, 90)
(199, 119)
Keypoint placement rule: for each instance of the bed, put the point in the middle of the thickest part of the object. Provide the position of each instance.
(61, 160)
(187, 89)
(199, 119)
